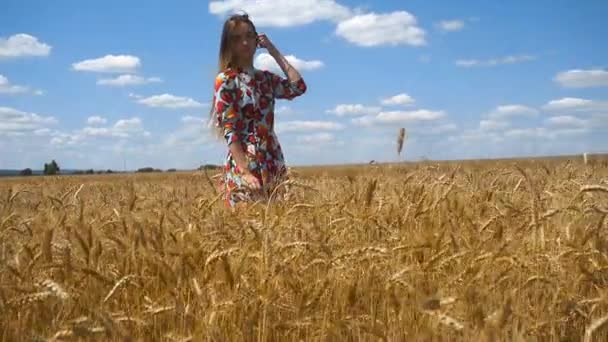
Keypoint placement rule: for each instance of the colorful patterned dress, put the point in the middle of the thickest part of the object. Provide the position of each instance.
(244, 108)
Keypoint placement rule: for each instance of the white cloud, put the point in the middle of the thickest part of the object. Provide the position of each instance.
(308, 126)
(542, 132)
(371, 29)
(265, 61)
(434, 128)
(566, 121)
(451, 25)
(582, 78)
(96, 120)
(65, 139)
(475, 136)
(282, 13)
(467, 63)
(168, 101)
(353, 109)
(417, 115)
(22, 45)
(189, 119)
(7, 88)
(129, 128)
(97, 131)
(510, 111)
(531, 132)
(399, 99)
(13, 121)
(493, 125)
(123, 128)
(316, 138)
(132, 125)
(193, 132)
(573, 104)
(42, 132)
(128, 80)
(393, 117)
(568, 103)
(109, 64)
(500, 118)
(283, 110)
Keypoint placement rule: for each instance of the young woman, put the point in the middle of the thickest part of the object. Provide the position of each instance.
(243, 111)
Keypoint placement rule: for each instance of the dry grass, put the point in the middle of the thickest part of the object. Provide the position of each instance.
(478, 251)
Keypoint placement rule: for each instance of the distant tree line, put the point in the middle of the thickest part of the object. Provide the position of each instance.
(53, 168)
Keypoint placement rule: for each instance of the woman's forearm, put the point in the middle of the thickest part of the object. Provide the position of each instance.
(292, 74)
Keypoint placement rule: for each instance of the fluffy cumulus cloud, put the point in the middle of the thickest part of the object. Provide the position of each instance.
(354, 25)
(578, 78)
(501, 117)
(109, 64)
(353, 109)
(123, 143)
(514, 59)
(371, 29)
(265, 61)
(567, 125)
(283, 110)
(451, 25)
(566, 121)
(129, 128)
(516, 141)
(187, 135)
(574, 104)
(297, 126)
(543, 132)
(127, 80)
(96, 120)
(168, 101)
(16, 122)
(23, 45)
(399, 99)
(316, 138)
(577, 114)
(493, 125)
(6, 87)
(283, 13)
(511, 111)
(399, 117)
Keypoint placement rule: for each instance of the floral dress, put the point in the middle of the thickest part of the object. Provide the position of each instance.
(244, 109)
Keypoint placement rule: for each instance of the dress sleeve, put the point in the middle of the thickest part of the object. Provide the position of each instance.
(226, 111)
(282, 88)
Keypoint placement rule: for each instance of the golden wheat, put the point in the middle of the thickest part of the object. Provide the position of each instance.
(429, 251)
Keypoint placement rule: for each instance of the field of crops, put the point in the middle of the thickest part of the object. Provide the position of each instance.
(479, 251)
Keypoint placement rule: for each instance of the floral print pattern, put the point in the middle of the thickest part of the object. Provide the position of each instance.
(244, 102)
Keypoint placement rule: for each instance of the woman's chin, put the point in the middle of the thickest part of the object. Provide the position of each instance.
(248, 53)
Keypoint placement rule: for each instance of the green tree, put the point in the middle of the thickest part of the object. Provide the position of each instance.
(51, 168)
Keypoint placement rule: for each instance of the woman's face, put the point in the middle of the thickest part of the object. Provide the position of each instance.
(243, 40)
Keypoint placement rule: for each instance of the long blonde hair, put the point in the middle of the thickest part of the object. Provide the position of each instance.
(226, 59)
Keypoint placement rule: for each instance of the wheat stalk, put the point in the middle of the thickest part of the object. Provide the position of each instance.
(597, 324)
(400, 140)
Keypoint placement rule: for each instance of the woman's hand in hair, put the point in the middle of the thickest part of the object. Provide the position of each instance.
(292, 74)
(265, 43)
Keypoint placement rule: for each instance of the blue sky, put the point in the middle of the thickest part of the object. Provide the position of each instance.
(99, 83)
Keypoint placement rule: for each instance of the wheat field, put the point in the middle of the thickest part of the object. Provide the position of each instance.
(475, 251)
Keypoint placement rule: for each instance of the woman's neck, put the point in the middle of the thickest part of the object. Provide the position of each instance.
(243, 65)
